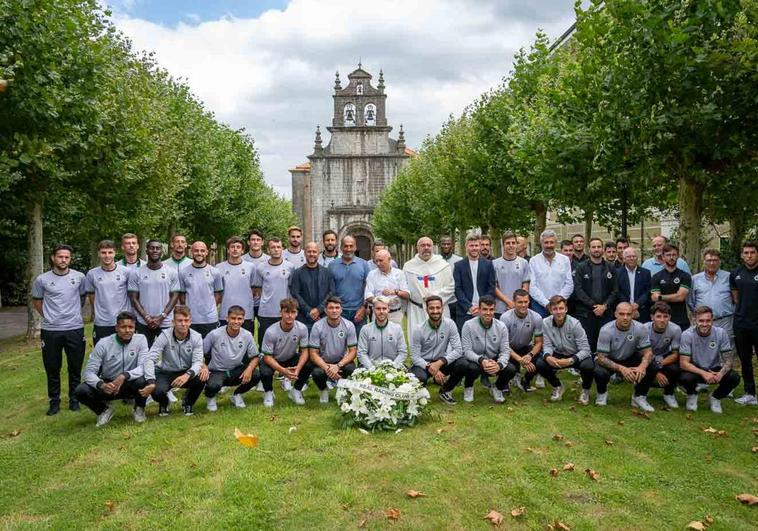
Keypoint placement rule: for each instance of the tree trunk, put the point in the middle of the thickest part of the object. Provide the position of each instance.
(34, 265)
(690, 215)
(737, 230)
(587, 229)
(540, 222)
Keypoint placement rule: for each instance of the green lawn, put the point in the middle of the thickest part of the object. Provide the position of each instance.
(657, 473)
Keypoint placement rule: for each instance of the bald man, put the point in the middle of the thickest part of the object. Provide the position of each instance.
(427, 274)
(387, 281)
(350, 272)
(655, 264)
(202, 287)
(311, 285)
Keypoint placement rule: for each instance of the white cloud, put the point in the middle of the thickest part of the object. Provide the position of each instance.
(274, 74)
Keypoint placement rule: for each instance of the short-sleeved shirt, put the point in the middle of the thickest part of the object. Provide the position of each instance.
(377, 281)
(61, 297)
(332, 342)
(296, 259)
(705, 352)
(511, 275)
(745, 282)
(664, 343)
(274, 281)
(255, 261)
(350, 281)
(155, 287)
(667, 283)
(200, 284)
(620, 345)
(324, 260)
(284, 346)
(111, 293)
(134, 265)
(237, 281)
(228, 352)
(178, 265)
(522, 331)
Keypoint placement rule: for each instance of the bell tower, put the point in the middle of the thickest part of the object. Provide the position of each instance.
(359, 104)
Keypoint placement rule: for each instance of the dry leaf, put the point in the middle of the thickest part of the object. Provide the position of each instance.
(710, 429)
(558, 526)
(292, 428)
(392, 513)
(364, 432)
(558, 437)
(609, 442)
(568, 444)
(755, 449)
(621, 423)
(344, 507)
(696, 525)
(14, 433)
(568, 467)
(363, 522)
(592, 474)
(518, 511)
(747, 499)
(440, 430)
(110, 506)
(415, 494)
(398, 430)
(572, 408)
(494, 517)
(246, 440)
(708, 520)
(643, 414)
(274, 418)
(554, 472)
(688, 416)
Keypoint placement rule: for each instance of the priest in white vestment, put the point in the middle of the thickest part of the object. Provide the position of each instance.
(427, 274)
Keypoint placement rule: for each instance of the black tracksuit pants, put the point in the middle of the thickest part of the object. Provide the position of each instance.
(54, 343)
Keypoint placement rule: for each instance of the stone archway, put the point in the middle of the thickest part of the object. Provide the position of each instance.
(364, 237)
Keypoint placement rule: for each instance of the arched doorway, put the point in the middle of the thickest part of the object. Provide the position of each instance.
(364, 247)
(364, 238)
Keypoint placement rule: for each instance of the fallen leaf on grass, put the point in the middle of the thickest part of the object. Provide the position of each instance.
(274, 418)
(688, 416)
(518, 511)
(533, 450)
(14, 433)
(494, 517)
(747, 499)
(568, 444)
(364, 432)
(246, 440)
(558, 526)
(363, 522)
(717, 433)
(572, 408)
(415, 494)
(398, 430)
(755, 449)
(568, 467)
(696, 525)
(392, 513)
(621, 423)
(592, 474)
(554, 472)
(558, 437)
(292, 428)
(708, 520)
(110, 506)
(609, 442)
(344, 507)
(440, 430)
(643, 414)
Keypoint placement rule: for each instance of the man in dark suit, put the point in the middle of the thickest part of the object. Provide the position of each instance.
(311, 285)
(631, 276)
(474, 277)
(595, 291)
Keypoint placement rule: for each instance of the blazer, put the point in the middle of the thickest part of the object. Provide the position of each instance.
(641, 290)
(303, 291)
(464, 284)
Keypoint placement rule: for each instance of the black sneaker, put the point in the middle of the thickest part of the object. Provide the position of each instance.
(485, 381)
(187, 410)
(447, 398)
(54, 408)
(163, 411)
(73, 405)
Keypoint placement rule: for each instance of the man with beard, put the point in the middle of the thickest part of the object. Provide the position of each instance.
(551, 274)
(271, 283)
(485, 247)
(596, 291)
(382, 339)
(294, 252)
(578, 241)
(350, 273)
(474, 277)
(665, 338)
(743, 281)
(329, 254)
(311, 286)
(427, 275)
(672, 285)
(202, 290)
(178, 259)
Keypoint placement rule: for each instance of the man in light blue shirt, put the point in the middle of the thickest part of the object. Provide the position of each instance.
(350, 273)
(711, 288)
(654, 264)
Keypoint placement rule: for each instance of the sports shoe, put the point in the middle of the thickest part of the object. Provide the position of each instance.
(572, 371)
(139, 414)
(485, 381)
(701, 388)
(447, 398)
(286, 384)
(584, 397)
(259, 387)
(670, 401)
(163, 411)
(715, 404)
(73, 405)
(468, 394)
(171, 397)
(149, 401)
(497, 395)
(210, 403)
(268, 399)
(104, 417)
(297, 397)
(324, 396)
(557, 394)
(539, 382)
(691, 403)
(601, 399)
(53, 409)
(746, 400)
(237, 400)
(187, 410)
(519, 383)
(641, 402)
(330, 385)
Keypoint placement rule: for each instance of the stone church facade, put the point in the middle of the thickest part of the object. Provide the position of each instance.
(340, 184)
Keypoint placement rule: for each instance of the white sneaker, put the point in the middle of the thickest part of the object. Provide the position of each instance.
(211, 404)
(691, 403)
(324, 396)
(330, 385)
(715, 404)
(104, 417)
(701, 388)
(139, 414)
(286, 384)
(641, 402)
(557, 394)
(259, 387)
(149, 401)
(670, 401)
(584, 397)
(268, 399)
(297, 397)
(238, 401)
(497, 395)
(746, 400)
(518, 382)
(601, 399)
(468, 394)
(573, 372)
(539, 382)
(171, 397)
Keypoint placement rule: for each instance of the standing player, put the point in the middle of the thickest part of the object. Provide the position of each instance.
(255, 256)
(329, 254)
(294, 252)
(57, 296)
(744, 284)
(271, 282)
(107, 286)
(672, 285)
(237, 277)
(130, 248)
(202, 289)
(512, 273)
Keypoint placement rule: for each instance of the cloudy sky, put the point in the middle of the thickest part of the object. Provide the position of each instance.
(268, 65)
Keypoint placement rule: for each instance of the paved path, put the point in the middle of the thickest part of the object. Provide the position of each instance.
(12, 321)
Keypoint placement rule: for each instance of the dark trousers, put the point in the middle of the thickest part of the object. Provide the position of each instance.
(460, 320)
(523, 351)
(672, 373)
(537, 307)
(453, 312)
(474, 370)
(248, 325)
(319, 376)
(586, 368)
(149, 333)
(592, 325)
(204, 328)
(350, 316)
(54, 343)
(456, 372)
(267, 373)
(97, 400)
(264, 323)
(603, 376)
(219, 379)
(101, 332)
(163, 385)
(689, 381)
(746, 341)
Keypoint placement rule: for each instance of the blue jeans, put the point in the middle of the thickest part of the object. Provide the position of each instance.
(350, 316)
